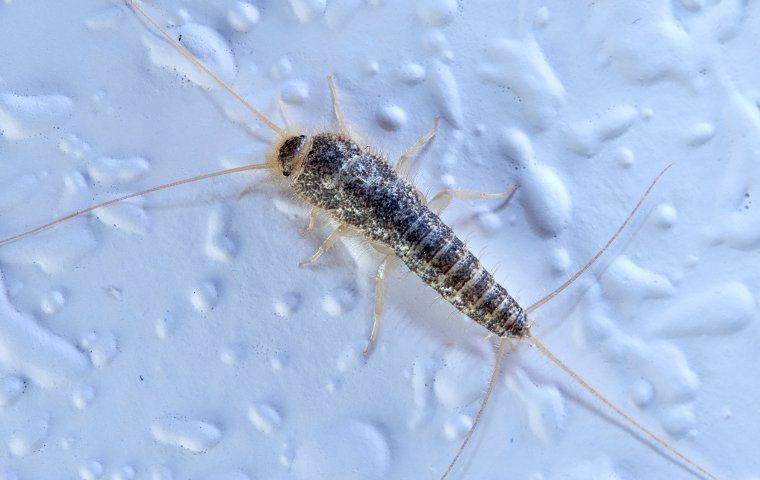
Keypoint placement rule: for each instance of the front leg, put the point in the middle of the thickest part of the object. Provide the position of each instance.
(326, 245)
(312, 222)
(337, 109)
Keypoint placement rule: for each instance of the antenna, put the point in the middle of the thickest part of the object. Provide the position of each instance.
(108, 203)
(192, 58)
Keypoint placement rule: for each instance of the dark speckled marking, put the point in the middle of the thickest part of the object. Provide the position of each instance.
(431, 244)
(493, 299)
(449, 255)
(288, 152)
(474, 292)
(419, 231)
(462, 272)
(360, 189)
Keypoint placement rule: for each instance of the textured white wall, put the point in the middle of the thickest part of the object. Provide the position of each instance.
(174, 336)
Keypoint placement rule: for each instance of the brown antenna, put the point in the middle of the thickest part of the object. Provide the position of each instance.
(108, 203)
(192, 58)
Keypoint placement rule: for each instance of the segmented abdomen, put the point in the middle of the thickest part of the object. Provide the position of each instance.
(360, 189)
(431, 250)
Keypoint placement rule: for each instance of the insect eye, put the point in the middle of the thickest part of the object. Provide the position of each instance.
(288, 153)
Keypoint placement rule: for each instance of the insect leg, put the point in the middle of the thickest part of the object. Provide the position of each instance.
(388, 264)
(283, 114)
(329, 242)
(312, 223)
(402, 166)
(442, 200)
(336, 106)
(486, 396)
(246, 191)
(250, 189)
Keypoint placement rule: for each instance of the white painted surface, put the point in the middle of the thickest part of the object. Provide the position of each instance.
(175, 337)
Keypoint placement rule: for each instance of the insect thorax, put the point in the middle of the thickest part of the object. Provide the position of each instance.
(357, 187)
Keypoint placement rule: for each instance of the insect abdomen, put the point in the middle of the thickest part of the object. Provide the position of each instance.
(432, 250)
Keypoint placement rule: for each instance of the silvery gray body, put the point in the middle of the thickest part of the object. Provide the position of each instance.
(360, 189)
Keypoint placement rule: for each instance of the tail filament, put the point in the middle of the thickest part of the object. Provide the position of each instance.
(636, 425)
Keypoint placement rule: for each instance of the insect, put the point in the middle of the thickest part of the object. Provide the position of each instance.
(306, 160)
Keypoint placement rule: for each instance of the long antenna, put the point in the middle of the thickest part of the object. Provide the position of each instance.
(545, 351)
(108, 203)
(601, 251)
(188, 55)
(586, 386)
(482, 409)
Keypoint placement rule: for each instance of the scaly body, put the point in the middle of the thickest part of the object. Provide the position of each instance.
(360, 189)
